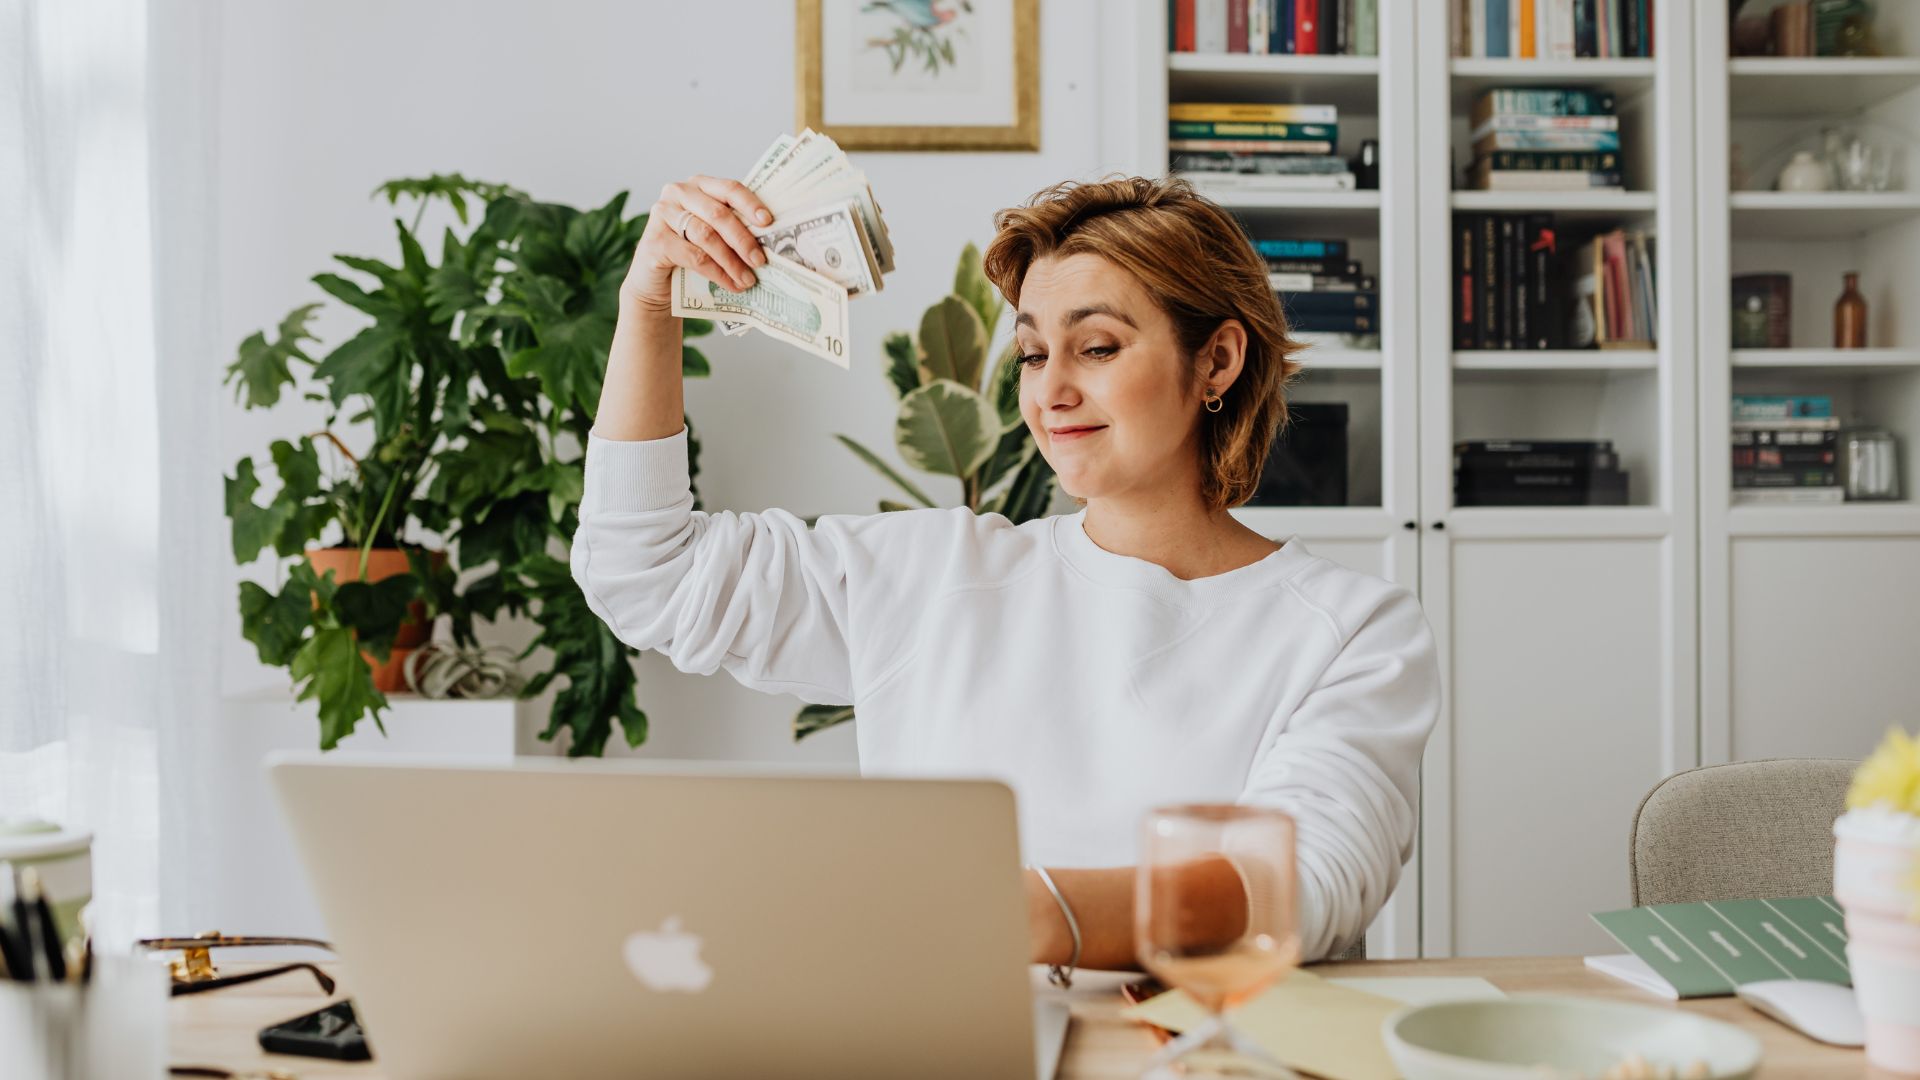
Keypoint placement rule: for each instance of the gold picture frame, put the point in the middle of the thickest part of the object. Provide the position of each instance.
(1022, 134)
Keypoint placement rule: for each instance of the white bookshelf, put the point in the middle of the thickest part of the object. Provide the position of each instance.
(1802, 652)
(1624, 639)
(1379, 531)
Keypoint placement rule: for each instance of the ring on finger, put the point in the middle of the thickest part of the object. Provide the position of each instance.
(686, 217)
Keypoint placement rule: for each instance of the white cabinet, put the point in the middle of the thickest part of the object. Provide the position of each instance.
(1810, 615)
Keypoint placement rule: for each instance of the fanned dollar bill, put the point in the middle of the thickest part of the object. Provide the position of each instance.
(787, 302)
(824, 216)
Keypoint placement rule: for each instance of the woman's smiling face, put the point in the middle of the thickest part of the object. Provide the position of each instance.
(1108, 393)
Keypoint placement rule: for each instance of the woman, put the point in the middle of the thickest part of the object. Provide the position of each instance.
(1148, 649)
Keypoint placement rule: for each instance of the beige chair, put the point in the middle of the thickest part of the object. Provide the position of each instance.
(1750, 829)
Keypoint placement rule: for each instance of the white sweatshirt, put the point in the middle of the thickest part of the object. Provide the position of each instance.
(1094, 684)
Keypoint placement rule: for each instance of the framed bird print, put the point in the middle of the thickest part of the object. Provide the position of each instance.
(920, 74)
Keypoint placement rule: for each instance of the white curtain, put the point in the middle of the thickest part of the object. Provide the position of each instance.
(108, 556)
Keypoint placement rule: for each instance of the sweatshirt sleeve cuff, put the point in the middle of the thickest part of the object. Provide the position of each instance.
(625, 476)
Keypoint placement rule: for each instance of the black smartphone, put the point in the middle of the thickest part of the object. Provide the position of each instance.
(333, 1032)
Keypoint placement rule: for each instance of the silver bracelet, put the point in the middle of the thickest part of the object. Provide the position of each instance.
(1061, 977)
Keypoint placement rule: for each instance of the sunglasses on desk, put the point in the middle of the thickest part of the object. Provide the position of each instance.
(194, 972)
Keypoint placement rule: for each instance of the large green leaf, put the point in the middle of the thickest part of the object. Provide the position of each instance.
(817, 718)
(262, 369)
(946, 428)
(371, 362)
(254, 526)
(375, 610)
(275, 624)
(886, 470)
(328, 668)
(953, 344)
(903, 363)
(597, 664)
(970, 284)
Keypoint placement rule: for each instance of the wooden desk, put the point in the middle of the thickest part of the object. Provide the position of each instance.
(219, 1028)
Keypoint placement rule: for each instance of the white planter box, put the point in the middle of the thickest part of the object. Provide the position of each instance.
(246, 876)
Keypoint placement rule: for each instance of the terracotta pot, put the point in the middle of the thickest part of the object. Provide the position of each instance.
(381, 563)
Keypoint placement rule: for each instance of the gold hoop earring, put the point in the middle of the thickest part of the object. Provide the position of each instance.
(1215, 404)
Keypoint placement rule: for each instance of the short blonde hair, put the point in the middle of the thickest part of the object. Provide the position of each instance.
(1198, 264)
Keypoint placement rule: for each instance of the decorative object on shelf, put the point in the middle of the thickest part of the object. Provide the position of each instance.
(1863, 154)
(1857, 164)
(920, 74)
(959, 416)
(1773, 328)
(1366, 165)
(1850, 316)
(1876, 879)
(1870, 467)
(1843, 28)
(479, 375)
(1804, 173)
(1793, 29)
(441, 669)
(1750, 35)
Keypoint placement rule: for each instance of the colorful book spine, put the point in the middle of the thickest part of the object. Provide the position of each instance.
(1233, 129)
(1249, 146)
(1210, 112)
(1781, 406)
(1306, 27)
(1497, 34)
(1544, 101)
(1548, 140)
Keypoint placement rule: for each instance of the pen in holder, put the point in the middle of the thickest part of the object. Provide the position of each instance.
(111, 1026)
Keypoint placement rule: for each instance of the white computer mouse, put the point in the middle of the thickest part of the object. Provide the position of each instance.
(1820, 1010)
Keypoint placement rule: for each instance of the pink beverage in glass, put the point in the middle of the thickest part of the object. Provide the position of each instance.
(1214, 916)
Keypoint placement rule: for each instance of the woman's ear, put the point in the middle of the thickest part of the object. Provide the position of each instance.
(1224, 355)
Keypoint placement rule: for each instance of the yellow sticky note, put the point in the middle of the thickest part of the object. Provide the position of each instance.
(1305, 1022)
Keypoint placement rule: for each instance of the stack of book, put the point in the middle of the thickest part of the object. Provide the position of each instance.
(1545, 139)
(1299, 27)
(1528, 472)
(1321, 289)
(1506, 287)
(1232, 149)
(1613, 292)
(1786, 450)
(1553, 29)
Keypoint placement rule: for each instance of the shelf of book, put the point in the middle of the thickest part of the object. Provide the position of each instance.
(1824, 215)
(1552, 361)
(1471, 76)
(1840, 520)
(1572, 207)
(1559, 523)
(1816, 86)
(1350, 82)
(1828, 361)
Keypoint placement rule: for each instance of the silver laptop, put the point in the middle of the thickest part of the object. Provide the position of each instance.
(620, 919)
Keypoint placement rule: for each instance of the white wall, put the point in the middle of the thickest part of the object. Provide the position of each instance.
(572, 101)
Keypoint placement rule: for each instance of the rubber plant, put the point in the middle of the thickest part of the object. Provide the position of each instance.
(478, 374)
(959, 417)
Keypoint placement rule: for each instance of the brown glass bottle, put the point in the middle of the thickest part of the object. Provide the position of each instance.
(1850, 317)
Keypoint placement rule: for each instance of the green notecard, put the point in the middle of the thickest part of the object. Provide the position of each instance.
(1707, 949)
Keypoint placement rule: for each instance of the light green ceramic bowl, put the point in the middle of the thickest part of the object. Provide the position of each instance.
(1535, 1037)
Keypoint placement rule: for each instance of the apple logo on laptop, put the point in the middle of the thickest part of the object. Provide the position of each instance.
(668, 959)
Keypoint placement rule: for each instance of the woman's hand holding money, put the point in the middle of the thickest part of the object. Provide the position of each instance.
(700, 223)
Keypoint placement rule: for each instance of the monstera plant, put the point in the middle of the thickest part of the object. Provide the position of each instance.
(959, 417)
(476, 378)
